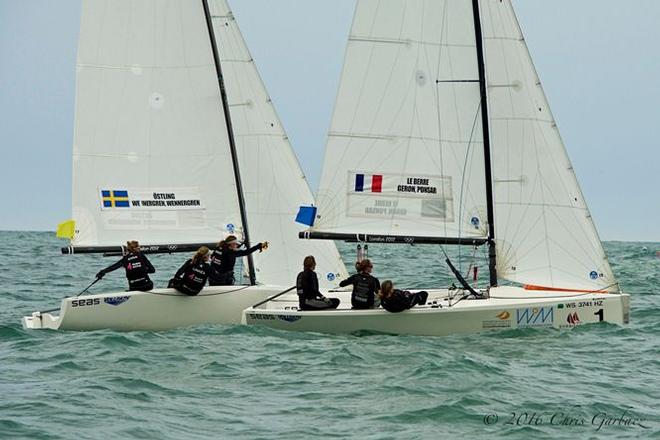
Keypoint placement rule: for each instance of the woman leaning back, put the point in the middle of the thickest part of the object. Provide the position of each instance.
(137, 268)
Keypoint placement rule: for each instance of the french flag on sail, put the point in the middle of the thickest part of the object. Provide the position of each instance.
(374, 183)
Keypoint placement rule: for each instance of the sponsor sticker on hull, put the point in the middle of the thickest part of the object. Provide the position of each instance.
(501, 320)
(535, 317)
(116, 300)
(289, 318)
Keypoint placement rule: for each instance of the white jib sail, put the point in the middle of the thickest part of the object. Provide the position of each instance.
(405, 153)
(151, 158)
(545, 234)
(273, 182)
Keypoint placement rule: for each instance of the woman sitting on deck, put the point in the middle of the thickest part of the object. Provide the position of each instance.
(395, 300)
(191, 277)
(307, 285)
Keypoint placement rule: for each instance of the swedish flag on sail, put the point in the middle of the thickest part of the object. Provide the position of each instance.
(115, 198)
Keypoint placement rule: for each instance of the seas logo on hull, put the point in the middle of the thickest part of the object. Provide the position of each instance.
(535, 317)
(116, 300)
(289, 318)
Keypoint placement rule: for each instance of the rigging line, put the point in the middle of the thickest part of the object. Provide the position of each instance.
(200, 296)
(256, 89)
(437, 96)
(443, 31)
(509, 91)
(502, 55)
(230, 135)
(465, 162)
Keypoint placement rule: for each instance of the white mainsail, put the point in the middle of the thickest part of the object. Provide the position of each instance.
(409, 110)
(405, 151)
(545, 234)
(151, 159)
(273, 182)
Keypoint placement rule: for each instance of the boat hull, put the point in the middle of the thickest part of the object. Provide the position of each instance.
(159, 309)
(507, 308)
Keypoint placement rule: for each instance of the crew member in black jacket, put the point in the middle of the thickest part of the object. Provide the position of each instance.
(395, 300)
(191, 277)
(223, 260)
(307, 286)
(365, 286)
(137, 268)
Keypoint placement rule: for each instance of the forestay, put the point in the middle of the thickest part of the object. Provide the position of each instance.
(545, 234)
(151, 158)
(273, 182)
(405, 152)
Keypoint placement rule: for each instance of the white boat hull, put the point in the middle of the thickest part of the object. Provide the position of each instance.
(507, 308)
(160, 309)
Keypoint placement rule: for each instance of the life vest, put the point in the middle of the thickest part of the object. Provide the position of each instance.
(398, 302)
(195, 276)
(363, 289)
(216, 259)
(307, 285)
(136, 271)
(299, 285)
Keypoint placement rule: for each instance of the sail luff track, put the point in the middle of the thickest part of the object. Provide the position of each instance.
(492, 258)
(232, 142)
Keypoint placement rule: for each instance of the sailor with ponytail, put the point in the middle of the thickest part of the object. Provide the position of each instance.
(191, 277)
(365, 286)
(137, 268)
(223, 260)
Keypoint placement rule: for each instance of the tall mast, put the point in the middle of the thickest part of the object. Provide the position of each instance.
(232, 143)
(485, 123)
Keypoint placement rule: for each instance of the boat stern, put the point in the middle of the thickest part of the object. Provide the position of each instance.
(38, 321)
(625, 305)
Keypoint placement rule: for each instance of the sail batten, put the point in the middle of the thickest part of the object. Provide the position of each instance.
(150, 142)
(273, 182)
(545, 233)
(441, 129)
(404, 155)
(152, 153)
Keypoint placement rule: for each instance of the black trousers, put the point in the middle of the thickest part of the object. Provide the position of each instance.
(319, 304)
(177, 284)
(419, 298)
(222, 279)
(142, 287)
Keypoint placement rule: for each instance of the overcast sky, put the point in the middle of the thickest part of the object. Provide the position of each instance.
(599, 61)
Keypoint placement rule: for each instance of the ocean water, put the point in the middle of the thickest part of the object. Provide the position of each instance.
(207, 382)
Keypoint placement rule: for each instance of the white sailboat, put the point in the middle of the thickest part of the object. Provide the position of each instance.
(177, 144)
(442, 134)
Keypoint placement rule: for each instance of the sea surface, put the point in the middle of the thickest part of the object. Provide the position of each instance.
(208, 382)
